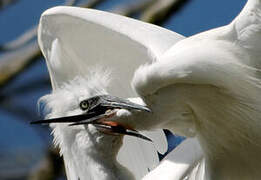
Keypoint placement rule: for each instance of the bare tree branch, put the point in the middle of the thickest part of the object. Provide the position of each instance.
(70, 2)
(14, 62)
(4, 3)
(26, 36)
(91, 3)
(20, 40)
(132, 8)
(161, 11)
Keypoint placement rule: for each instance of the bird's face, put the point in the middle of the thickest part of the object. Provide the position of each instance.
(99, 112)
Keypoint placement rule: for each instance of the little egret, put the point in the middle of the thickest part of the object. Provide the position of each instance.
(206, 86)
(89, 151)
(82, 48)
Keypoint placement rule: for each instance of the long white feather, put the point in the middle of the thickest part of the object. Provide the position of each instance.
(74, 41)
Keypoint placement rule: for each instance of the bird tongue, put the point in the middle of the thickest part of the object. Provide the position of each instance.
(104, 125)
(114, 128)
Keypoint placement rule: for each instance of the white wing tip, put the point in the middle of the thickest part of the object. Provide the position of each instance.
(56, 10)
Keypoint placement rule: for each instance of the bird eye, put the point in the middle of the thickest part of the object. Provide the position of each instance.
(84, 105)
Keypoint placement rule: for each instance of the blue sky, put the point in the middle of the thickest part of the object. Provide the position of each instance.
(197, 16)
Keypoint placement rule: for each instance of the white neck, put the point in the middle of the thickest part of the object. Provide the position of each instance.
(91, 155)
(226, 125)
(88, 154)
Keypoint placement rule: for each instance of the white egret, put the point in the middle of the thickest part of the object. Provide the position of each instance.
(206, 86)
(89, 151)
(78, 44)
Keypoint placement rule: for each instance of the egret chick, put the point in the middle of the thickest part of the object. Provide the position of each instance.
(90, 150)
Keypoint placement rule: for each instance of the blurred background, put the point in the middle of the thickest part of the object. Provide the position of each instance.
(26, 151)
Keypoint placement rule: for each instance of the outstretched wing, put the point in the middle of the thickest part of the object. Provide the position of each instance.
(85, 39)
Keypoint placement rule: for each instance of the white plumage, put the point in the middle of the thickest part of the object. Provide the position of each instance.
(76, 42)
(206, 86)
(215, 75)
(88, 153)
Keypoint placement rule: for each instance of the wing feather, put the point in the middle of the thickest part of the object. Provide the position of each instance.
(184, 162)
(85, 39)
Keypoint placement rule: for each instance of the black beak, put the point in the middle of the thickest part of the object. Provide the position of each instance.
(103, 107)
(67, 119)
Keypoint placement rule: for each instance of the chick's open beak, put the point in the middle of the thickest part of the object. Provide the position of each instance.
(97, 111)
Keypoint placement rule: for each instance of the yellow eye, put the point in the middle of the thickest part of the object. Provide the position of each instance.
(84, 105)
